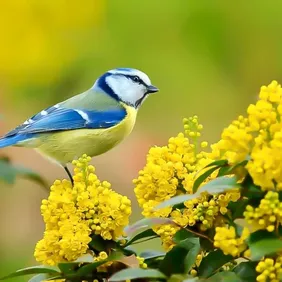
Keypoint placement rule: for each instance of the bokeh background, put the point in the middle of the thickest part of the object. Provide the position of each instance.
(208, 58)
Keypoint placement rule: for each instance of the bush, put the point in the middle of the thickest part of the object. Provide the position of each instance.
(217, 210)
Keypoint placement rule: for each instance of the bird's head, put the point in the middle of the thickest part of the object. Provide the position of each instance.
(127, 85)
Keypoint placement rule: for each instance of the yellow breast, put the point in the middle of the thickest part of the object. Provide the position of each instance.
(68, 145)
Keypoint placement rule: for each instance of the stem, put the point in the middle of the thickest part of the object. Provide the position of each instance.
(246, 258)
(199, 234)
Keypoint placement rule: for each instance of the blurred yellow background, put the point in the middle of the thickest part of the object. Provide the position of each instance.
(207, 57)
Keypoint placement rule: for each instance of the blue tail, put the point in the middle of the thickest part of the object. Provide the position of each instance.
(13, 139)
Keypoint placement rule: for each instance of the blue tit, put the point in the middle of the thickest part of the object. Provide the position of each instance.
(91, 123)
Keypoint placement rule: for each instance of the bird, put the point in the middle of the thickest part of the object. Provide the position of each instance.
(90, 123)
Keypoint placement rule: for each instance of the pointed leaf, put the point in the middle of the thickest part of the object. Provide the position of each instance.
(147, 223)
(135, 273)
(144, 234)
(179, 259)
(203, 177)
(33, 270)
(68, 267)
(182, 234)
(215, 186)
(190, 259)
(218, 163)
(8, 173)
(246, 271)
(44, 277)
(177, 200)
(220, 185)
(85, 258)
(29, 174)
(151, 254)
(224, 276)
(265, 247)
(212, 262)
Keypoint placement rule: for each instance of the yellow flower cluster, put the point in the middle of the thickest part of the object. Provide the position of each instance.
(267, 215)
(102, 256)
(226, 239)
(73, 214)
(258, 137)
(270, 270)
(198, 261)
(171, 170)
(142, 263)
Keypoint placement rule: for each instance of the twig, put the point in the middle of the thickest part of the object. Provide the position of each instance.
(199, 234)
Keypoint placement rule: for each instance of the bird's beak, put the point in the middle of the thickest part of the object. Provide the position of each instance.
(152, 89)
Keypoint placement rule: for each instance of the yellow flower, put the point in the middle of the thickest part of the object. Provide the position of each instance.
(73, 214)
(171, 170)
(225, 239)
(267, 214)
(142, 264)
(270, 269)
(257, 137)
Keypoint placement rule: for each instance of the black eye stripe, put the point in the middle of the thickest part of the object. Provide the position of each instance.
(133, 78)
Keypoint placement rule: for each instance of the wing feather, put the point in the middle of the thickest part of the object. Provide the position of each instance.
(69, 119)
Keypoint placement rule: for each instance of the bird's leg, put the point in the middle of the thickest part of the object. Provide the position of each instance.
(69, 174)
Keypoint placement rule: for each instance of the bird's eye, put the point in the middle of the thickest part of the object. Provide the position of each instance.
(136, 79)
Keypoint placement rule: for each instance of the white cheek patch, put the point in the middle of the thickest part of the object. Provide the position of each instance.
(127, 90)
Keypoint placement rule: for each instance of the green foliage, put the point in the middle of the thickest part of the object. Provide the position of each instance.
(215, 186)
(263, 243)
(213, 262)
(246, 271)
(193, 252)
(33, 270)
(9, 172)
(137, 273)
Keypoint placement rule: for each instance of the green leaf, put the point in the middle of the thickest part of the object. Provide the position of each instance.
(265, 247)
(263, 243)
(142, 235)
(135, 273)
(218, 163)
(220, 185)
(246, 271)
(224, 276)
(180, 258)
(177, 200)
(151, 254)
(99, 244)
(212, 262)
(225, 170)
(181, 235)
(173, 262)
(215, 186)
(68, 267)
(193, 244)
(44, 277)
(33, 270)
(31, 175)
(8, 173)
(203, 177)
(237, 208)
(147, 223)
(88, 258)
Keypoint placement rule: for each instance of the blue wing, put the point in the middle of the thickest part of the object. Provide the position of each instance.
(59, 119)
